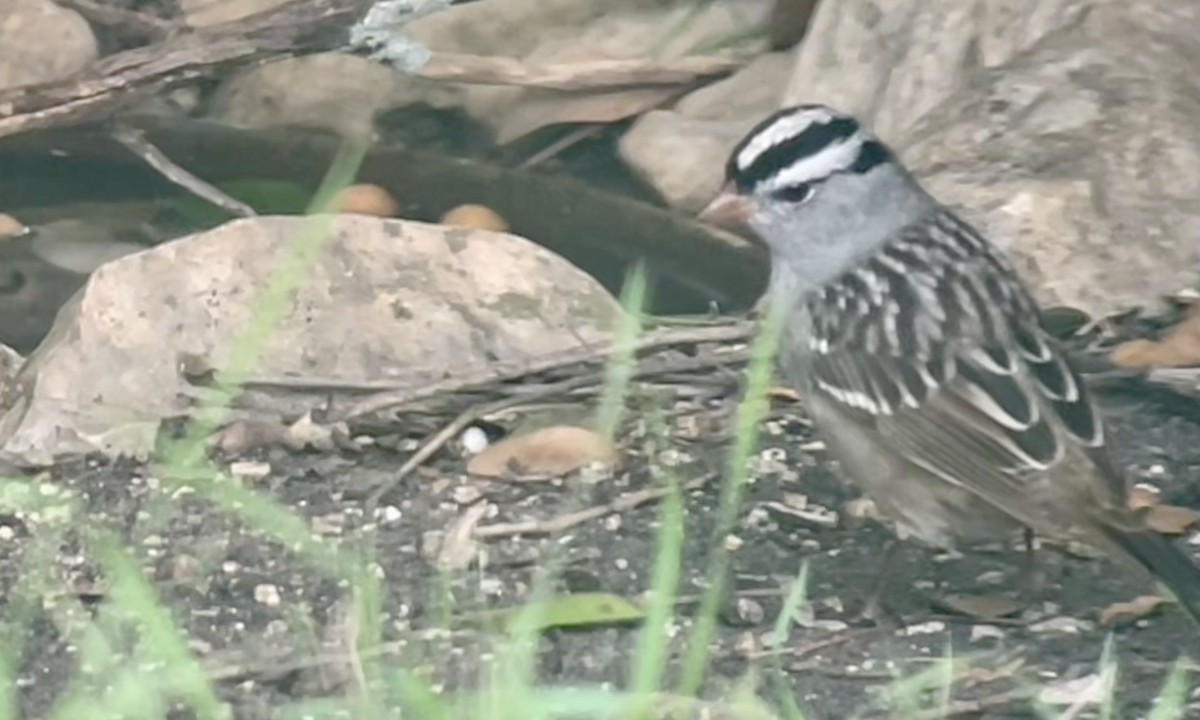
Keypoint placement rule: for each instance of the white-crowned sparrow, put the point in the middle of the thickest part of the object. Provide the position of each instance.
(919, 353)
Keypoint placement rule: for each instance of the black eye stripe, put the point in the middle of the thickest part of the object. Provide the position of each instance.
(795, 193)
(812, 140)
(873, 153)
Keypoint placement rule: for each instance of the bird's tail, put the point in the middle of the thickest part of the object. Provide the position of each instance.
(1158, 555)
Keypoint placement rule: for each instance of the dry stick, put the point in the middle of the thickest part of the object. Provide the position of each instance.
(136, 142)
(571, 139)
(971, 708)
(838, 637)
(460, 423)
(622, 503)
(592, 75)
(302, 25)
(490, 377)
(588, 131)
(122, 78)
(466, 417)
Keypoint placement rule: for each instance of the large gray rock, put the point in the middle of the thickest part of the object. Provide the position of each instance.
(894, 61)
(550, 32)
(41, 42)
(1066, 129)
(682, 151)
(382, 300)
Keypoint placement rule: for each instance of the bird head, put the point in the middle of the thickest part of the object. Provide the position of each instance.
(816, 186)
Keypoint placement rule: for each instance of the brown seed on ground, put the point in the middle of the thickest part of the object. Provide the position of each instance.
(479, 217)
(365, 199)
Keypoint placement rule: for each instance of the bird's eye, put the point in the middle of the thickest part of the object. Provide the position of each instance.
(797, 193)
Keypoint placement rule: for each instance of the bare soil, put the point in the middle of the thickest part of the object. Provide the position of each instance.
(215, 576)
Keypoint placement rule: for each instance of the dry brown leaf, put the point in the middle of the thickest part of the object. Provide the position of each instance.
(1171, 519)
(1180, 347)
(546, 453)
(783, 393)
(981, 607)
(1122, 613)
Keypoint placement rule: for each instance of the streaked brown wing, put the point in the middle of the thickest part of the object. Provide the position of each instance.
(937, 343)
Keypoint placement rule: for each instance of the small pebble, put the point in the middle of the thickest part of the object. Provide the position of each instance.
(991, 577)
(267, 594)
(474, 440)
(750, 611)
(927, 628)
(1062, 625)
(466, 494)
(249, 470)
(986, 632)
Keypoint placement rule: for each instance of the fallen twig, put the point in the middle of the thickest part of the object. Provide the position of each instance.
(1006, 700)
(840, 637)
(551, 526)
(491, 377)
(523, 394)
(123, 78)
(456, 426)
(136, 142)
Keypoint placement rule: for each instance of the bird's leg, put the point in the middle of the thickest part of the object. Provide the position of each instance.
(1033, 578)
(874, 609)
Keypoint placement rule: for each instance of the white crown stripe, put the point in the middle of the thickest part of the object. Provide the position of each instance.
(782, 130)
(831, 160)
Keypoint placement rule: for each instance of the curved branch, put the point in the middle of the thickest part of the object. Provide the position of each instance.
(117, 80)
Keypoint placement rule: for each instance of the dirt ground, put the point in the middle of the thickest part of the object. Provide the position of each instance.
(211, 572)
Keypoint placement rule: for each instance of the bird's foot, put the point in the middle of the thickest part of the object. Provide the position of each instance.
(877, 613)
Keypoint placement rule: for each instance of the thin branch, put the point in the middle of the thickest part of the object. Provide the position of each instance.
(460, 423)
(490, 377)
(622, 503)
(136, 142)
(123, 78)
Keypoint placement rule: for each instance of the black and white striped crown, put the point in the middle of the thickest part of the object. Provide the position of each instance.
(802, 145)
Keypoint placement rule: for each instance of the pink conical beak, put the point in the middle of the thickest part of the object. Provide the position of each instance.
(728, 208)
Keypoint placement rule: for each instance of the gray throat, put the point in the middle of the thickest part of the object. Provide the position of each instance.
(849, 222)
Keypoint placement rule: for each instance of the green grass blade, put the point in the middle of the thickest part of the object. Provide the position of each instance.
(650, 659)
(1173, 700)
(619, 371)
(751, 411)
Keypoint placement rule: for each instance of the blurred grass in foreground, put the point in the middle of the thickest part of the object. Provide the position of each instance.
(134, 661)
